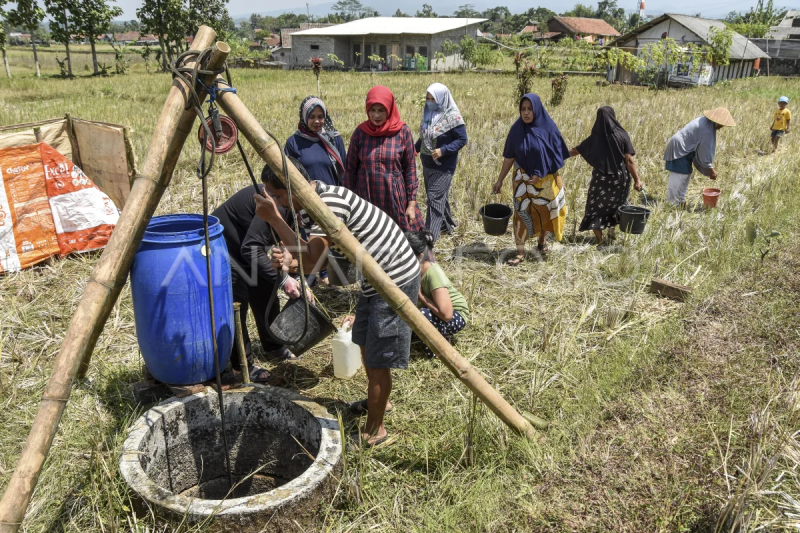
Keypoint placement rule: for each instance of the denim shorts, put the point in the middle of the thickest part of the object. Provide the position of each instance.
(386, 336)
(778, 133)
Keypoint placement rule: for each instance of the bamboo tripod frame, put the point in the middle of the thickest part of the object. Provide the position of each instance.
(174, 125)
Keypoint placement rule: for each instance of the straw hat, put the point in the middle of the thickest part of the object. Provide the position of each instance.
(720, 116)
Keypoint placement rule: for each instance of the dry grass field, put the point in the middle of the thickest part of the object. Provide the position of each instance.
(662, 414)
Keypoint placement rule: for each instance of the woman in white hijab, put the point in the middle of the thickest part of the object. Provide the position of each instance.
(442, 134)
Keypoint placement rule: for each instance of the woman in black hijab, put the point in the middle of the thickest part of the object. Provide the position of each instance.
(610, 153)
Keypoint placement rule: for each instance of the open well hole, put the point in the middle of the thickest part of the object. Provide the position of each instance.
(182, 451)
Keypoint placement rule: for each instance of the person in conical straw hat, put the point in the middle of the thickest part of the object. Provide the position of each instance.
(694, 146)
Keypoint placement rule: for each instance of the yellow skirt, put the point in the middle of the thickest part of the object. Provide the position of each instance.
(539, 206)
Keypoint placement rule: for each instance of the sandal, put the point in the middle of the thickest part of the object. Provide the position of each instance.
(515, 261)
(259, 375)
(542, 248)
(360, 408)
(358, 442)
(283, 354)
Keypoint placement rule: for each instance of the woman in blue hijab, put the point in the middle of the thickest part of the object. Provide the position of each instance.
(536, 150)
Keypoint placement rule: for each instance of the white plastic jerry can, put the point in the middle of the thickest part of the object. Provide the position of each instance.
(346, 355)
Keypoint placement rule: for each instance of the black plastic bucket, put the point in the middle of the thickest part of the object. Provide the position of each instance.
(290, 321)
(495, 218)
(633, 218)
(341, 272)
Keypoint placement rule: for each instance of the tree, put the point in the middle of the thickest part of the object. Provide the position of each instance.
(162, 18)
(427, 12)
(580, 10)
(608, 11)
(467, 11)
(212, 13)
(60, 12)
(28, 15)
(757, 21)
(399, 13)
(349, 9)
(3, 38)
(93, 18)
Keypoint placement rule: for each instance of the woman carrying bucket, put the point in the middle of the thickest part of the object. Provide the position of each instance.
(610, 153)
(381, 163)
(536, 150)
(442, 134)
(695, 145)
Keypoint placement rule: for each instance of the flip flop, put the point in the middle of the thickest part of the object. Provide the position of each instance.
(283, 354)
(357, 443)
(360, 408)
(257, 374)
(515, 261)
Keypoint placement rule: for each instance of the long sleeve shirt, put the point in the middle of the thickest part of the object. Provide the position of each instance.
(248, 237)
(450, 142)
(314, 158)
(383, 171)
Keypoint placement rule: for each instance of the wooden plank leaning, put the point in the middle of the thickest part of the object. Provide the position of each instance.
(270, 153)
(175, 124)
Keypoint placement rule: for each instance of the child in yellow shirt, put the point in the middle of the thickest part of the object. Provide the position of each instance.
(780, 122)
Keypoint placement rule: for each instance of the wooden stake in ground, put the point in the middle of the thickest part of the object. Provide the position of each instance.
(174, 125)
(269, 151)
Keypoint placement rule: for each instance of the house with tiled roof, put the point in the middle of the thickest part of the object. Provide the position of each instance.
(586, 29)
(530, 28)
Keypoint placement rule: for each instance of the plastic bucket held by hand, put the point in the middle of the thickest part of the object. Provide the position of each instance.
(290, 321)
(633, 218)
(710, 196)
(495, 218)
(341, 272)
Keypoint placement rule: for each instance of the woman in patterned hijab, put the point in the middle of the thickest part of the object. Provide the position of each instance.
(442, 134)
(317, 144)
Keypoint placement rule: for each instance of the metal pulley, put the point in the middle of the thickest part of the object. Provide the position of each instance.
(224, 129)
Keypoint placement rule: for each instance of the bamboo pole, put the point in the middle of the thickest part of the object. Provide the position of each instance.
(269, 151)
(174, 125)
(239, 341)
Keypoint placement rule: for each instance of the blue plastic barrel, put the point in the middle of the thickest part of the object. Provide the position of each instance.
(170, 299)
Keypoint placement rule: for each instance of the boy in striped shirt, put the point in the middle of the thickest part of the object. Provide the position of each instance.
(384, 338)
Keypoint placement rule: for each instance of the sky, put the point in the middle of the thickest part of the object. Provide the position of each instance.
(242, 8)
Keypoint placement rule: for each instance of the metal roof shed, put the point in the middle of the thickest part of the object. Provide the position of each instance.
(744, 55)
(410, 43)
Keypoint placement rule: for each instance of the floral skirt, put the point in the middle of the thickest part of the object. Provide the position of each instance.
(607, 193)
(539, 206)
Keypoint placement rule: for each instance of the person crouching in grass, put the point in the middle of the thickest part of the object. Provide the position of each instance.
(780, 122)
(384, 338)
(439, 301)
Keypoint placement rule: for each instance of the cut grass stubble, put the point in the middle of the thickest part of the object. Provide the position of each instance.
(569, 339)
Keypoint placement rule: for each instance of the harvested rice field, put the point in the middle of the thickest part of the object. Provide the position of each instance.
(663, 416)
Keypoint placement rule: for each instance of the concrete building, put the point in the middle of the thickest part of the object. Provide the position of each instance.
(587, 29)
(744, 57)
(283, 51)
(401, 43)
(789, 27)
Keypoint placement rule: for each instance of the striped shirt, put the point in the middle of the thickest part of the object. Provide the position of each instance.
(374, 229)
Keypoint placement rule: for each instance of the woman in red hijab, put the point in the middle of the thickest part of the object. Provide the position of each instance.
(381, 165)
